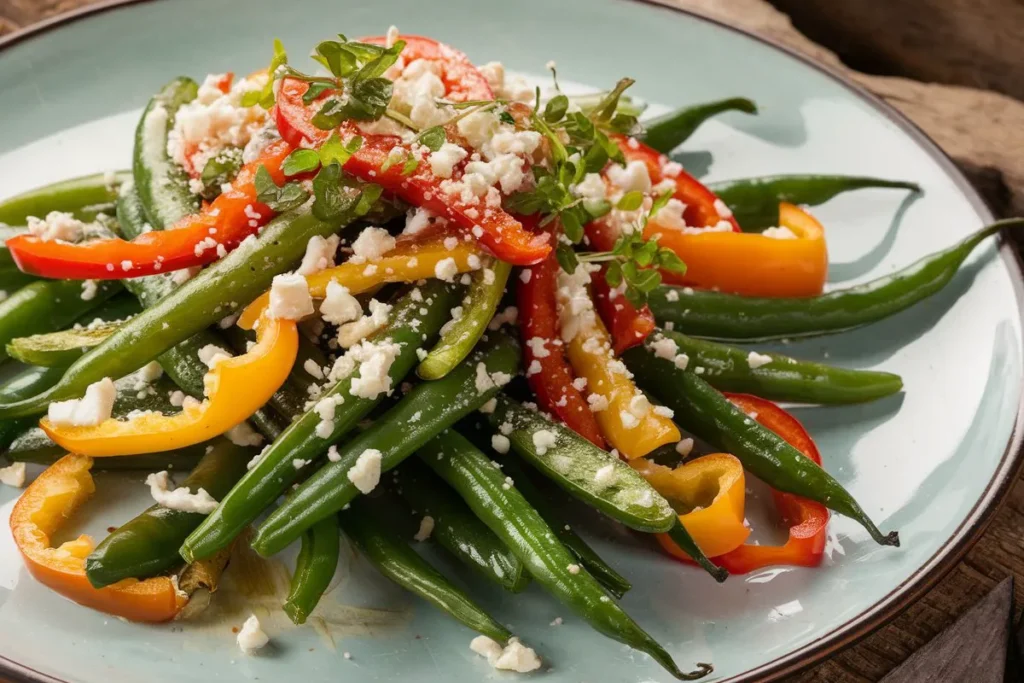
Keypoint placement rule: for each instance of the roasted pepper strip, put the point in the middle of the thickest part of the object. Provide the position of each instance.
(752, 264)
(666, 132)
(407, 262)
(195, 240)
(777, 377)
(709, 493)
(431, 407)
(314, 568)
(709, 416)
(754, 202)
(39, 514)
(459, 337)
(551, 379)
(305, 440)
(807, 519)
(237, 387)
(148, 544)
(716, 315)
(629, 423)
(499, 232)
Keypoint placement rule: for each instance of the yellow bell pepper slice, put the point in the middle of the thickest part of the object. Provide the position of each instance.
(45, 506)
(628, 423)
(235, 389)
(405, 263)
(710, 492)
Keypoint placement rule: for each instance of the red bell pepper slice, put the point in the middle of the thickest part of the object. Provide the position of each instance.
(700, 201)
(628, 325)
(806, 518)
(500, 233)
(538, 318)
(462, 81)
(193, 241)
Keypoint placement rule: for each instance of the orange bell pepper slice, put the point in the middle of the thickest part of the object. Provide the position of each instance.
(712, 490)
(40, 513)
(590, 355)
(407, 262)
(750, 263)
(235, 388)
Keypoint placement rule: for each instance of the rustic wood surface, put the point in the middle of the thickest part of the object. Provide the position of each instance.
(982, 130)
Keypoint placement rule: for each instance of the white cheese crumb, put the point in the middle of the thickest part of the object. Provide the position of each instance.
(631, 177)
(179, 498)
(543, 439)
(211, 354)
(500, 443)
(319, 254)
(665, 348)
(426, 528)
(339, 306)
(684, 447)
(597, 402)
(756, 360)
(59, 226)
(13, 475)
(289, 297)
(628, 419)
(88, 411)
(605, 476)
(513, 657)
(446, 269)
(782, 233)
(365, 474)
(354, 332)
(89, 289)
(489, 407)
(252, 637)
(573, 569)
(371, 244)
(333, 455)
(243, 435)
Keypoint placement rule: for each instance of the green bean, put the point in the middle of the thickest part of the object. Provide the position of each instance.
(161, 183)
(755, 201)
(714, 315)
(774, 376)
(82, 197)
(666, 132)
(572, 462)
(148, 544)
(314, 568)
(460, 336)
(148, 462)
(48, 305)
(457, 530)
(614, 583)
(400, 563)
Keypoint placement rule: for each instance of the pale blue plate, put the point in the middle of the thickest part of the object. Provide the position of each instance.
(932, 462)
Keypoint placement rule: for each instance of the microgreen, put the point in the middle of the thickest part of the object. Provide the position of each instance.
(284, 198)
(265, 97)
(300, 161)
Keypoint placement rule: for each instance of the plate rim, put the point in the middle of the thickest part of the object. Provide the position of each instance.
(967, 533)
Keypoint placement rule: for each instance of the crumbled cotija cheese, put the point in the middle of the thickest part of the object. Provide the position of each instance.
(365, 474)
(251, 636)
(89, 411)
(179, 498)
(290, 298)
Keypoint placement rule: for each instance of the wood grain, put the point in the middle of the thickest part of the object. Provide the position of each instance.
(982, 130)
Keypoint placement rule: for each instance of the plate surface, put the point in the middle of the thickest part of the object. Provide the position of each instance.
(931, 462)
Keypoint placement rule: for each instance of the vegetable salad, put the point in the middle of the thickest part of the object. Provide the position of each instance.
(398, 281)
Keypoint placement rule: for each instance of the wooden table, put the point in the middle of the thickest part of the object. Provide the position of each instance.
(982, 130)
